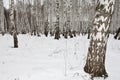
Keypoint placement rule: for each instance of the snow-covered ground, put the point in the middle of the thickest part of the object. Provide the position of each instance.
(41, 58)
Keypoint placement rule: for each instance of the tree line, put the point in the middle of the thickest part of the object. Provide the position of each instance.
(54, 17)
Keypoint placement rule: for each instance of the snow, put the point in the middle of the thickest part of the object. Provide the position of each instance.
(41, 58)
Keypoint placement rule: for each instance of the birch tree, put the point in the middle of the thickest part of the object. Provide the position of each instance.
(12, 24)
(95, 63)
(2, 29)
(57, 28)
(38, 17)
(68, 18)
(51, 13)
(46, 15)
(64, 18)
(26, 24)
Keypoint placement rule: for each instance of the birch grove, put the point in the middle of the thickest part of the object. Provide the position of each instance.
(66, 18)
(37, 18)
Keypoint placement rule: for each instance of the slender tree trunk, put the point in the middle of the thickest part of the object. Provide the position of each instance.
(46, 28)
(95, 63)
(57, 29)
(2, 28)
(12, 24)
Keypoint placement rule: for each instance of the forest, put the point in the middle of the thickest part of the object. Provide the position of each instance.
(76, 39)
(71, 17)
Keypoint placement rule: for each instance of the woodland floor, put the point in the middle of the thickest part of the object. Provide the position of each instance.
(41, 58)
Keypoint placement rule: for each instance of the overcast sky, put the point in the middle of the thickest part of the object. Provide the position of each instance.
(6, 3)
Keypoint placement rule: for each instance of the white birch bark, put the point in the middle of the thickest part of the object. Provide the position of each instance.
(95, 63)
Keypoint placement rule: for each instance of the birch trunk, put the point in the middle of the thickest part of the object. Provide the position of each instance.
(12, 24)
(2, 17)
(57, 29)
(95, 63)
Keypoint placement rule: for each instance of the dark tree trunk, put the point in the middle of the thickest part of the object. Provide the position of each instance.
(65, 34)
(57, 33)
(74, 33)
(117, 34)
(15, 40)
(70, 33)
(46, 29)
(12, 24)
(89, 34)
(57, 29)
